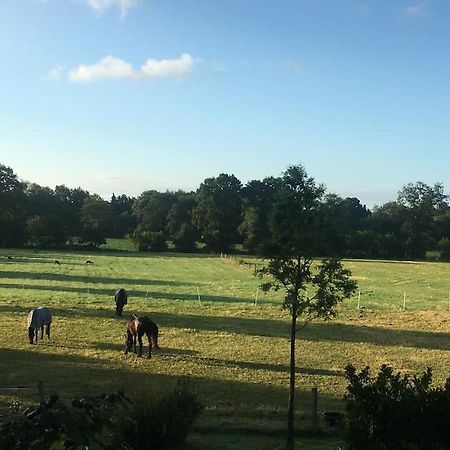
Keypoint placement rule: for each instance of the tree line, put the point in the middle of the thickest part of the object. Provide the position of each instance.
(220, 214)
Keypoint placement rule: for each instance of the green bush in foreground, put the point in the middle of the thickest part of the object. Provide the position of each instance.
(394, 411)
(112, 422)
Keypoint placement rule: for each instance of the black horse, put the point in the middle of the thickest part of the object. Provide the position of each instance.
(137, 327)
(121, 299)
(38, 318)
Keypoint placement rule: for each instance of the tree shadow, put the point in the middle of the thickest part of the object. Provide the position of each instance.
(67, 374)
(205, 298)
(91, 280)
(314, 332)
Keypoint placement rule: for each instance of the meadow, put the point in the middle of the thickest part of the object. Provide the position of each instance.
(218, 330)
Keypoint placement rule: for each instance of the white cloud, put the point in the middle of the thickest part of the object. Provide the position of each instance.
(56, 73)
(416, 10)
(123, 5)
(168, 68)
(112, 68)
(108, 68)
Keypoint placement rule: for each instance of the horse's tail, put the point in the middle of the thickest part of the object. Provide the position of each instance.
(155, 337)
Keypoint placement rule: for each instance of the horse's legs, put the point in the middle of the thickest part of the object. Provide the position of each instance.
(149, 346)
(42, 332)
(36, 331)
(134, 343)
(140, 344)
(47, 330)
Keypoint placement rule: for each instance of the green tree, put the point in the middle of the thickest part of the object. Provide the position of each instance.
(257, 201)
(346, 217)
(218, 212)
(123, 221)
(12, 208)
(71, 205)
(151, 209)
(47, 225)
(298, 235)
(96, 217)
(422, 203)
(179, 223)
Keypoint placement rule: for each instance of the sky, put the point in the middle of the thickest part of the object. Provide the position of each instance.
(123, 96)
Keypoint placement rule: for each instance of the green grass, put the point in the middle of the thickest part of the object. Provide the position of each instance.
(234, 352)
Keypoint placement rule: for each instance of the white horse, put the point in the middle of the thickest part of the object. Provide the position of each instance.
(38, 318)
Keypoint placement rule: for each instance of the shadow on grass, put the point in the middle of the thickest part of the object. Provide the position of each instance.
(67, 374)
(193, 355)
(88, 289)
(319, 331)
(15, 275)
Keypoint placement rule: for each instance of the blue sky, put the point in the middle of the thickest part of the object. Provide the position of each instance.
(128, 95)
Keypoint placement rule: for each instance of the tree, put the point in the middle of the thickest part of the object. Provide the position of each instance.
(71, 205)
(179, 223)
(12, 208)
(47, 224)
(218, 212)
(257, 201)
(298, 234)
(96, 217)
(422, 202)
(151, 209)
(346, 216)
(123, 221)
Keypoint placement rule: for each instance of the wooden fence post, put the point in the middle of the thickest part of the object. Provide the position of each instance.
(314, 407)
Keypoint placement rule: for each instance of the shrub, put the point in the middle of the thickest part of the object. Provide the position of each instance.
(106, 421)
(151, 241)
(162, 422)
(391, 411)
(444, 249)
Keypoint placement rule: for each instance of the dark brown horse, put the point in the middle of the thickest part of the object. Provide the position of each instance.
(136, 328)
(121, 299)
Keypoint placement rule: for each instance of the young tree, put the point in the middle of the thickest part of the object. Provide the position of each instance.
(298, 235)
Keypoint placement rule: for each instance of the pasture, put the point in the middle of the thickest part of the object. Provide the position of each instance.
(234, 351)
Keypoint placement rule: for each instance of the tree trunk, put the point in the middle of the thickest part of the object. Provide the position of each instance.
(290, 424)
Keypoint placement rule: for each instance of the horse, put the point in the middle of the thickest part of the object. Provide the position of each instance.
(38, 318)
(56, 262)
(137, 327)
(121, 299)
(88, 261)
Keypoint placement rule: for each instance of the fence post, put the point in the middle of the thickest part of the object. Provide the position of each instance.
(359, 298)
(314, 407)
(198, 295)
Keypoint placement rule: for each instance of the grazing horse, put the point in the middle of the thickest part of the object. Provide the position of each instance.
(89, 262)
(56, 262)
(137, 327)
(37, 318)
(121, 299)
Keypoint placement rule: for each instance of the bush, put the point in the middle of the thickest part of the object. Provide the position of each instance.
(396, 412)
(162, 422)
(444, 249)
(154, 241)
(111, 422)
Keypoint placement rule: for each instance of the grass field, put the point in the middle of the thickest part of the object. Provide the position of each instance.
(234, 352)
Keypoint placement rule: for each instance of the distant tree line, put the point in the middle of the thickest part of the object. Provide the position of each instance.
(220, 214)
